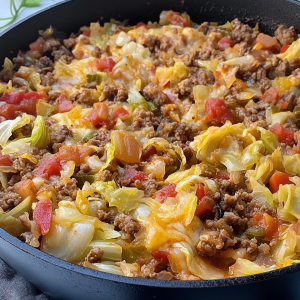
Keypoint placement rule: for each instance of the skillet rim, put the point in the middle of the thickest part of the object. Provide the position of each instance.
(38, 254)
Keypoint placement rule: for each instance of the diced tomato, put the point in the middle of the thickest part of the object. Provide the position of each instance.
(103, 64)
(268, 223)
(8, 111)
(98, 114)
(282, 104)
(141, 24)
(133, 175)
(86, 33)
(13, 97)
(42, 215)
(205, 203)
(266, 41)
(25, 188)
(167, 191)
(176, 19)
(216, 109)
(277, 179)
(75, 153)
(148, 152)
(283, 136)
(225, 176)
(162, 256)
(38, 45)
(64, 105)
(284, 48)
(121, 112)
(271, 96)
(48, 167)
(35, 95)
(5, 160)
(225, 42)
(296, 150)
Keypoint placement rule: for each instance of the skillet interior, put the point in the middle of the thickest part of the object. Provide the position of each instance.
(70, 16)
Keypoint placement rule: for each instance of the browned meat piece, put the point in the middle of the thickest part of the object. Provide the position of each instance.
(107, 216)
(66, 189)
(127, 224)
(48, 79)
(58, 137)
(85, 97)
(106, 176)
(44, 65)
(101, 139)
(70, 42)
(242, 33)
(286, 35)
(153, 269)
(51, 45)
(154, 94)
(91, 85)
(9, 198)
(143, 119)
(95, 255)
(122, 93)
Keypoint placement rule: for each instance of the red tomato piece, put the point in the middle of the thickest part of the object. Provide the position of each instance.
(200, 190)
(98, 114)
(141, 24)
(133, 175)
(35, 95)
(225, 176)
(8, 111)
(225, 42)
(167, 191)
(38, 45)
(5, 160)
(162, 256)
(284, 48)
(266, 41)
(296, 150)
(75, 153)
(27, 106)
(13, 97)
(42, 215)
(48, 167)
(216, 109)
(268, 223)
(86, 33)
(277, 179)
(121, 112)
(103, 64)
(271, 96)
(283, 136)
(204, 205)
(176, 19)
(64, 105)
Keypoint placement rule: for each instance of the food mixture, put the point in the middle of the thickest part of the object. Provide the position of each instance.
(165, 150)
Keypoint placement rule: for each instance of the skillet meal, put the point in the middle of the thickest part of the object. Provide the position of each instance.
(165, 150)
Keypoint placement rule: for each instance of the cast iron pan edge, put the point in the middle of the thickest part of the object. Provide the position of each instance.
(39, 255)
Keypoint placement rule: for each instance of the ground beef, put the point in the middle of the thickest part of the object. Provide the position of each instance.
(106, 176)
(84, 97)
(70, 42)
(143, 119)
(95, 255)
(286, 35)
(153, 269)
(150, 41)
(242, 33)
(187, 151)
(44, 65)
(62, 56)
(59, 136)
(154, 94)
(66, 189)
(9, 198)
(48, 79)
(51, 45)
(208, 50)
(91, 85)
(109, 92)
(197, 76)
(149, 186)
(24, 167)
(289, 98)
(101, 138)
(127, 224)
(108, 215)
(122, 93)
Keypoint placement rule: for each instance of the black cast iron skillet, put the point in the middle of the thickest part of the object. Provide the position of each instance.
(64, 280)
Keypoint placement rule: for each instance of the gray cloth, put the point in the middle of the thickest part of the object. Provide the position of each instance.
(15, 287)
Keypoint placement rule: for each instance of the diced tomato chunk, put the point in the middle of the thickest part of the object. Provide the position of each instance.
(266, 41)
(268, 223)
(277, 179)
(5, 160)
(296, 150)
(284, 48)
(74, 152)
(271, 96)
(176, 19)
(8, 111)
(133, 175)
(225, 42)
(13, 97)
(141, 24)
(162, 256)
(225, 176)
(216, 109)
(35, 95)
(48, 167)
(283, 136)
(205, 203)
(200, 190)
(121, 112)
(167, 191)
(38, 45)
(64, 105)
(42, 215)
(103, 64)
(86, 33)
(98, 114)
(25, 188)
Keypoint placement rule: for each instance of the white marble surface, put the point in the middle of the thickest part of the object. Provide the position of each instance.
(5, 9)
